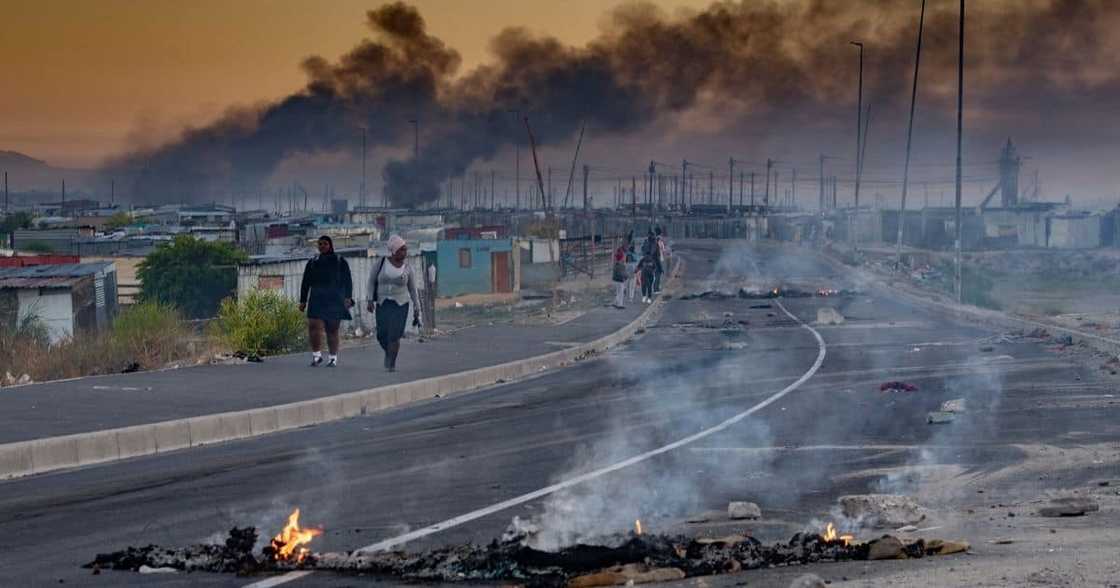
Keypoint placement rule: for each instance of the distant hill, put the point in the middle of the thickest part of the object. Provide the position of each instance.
(25, 173)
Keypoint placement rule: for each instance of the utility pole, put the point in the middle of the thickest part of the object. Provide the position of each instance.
(634, 196)
(777, 195)
(766, 196)
(730, 185)
(742, 181)
(652, 173)
(711, 187)
(859, 121)
(492, 190)
(7, 196)
(960, 132)
(63, 196)
(416, 138)
(684, 174)
(820, 199)
(909, 137)
(752, 189)
(793, 190)
(586, 170)
(362, 195)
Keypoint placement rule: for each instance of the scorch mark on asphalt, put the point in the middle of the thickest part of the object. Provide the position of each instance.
(512, 502)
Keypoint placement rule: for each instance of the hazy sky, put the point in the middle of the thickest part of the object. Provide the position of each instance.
(87, 78)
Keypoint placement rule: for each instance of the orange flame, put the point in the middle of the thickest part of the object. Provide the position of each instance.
(638, 526)
(289, 544)
(830, 535)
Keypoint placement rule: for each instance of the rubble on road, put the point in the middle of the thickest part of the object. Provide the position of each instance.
(10, 380)
(895, 386)
(1069, 506)
(827, 315)
(940, 417)
(954, 405)
(882, 511)
(743, 510)
(619, 559)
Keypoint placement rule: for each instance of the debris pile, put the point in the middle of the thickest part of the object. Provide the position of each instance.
(235, 556)
(620, 559)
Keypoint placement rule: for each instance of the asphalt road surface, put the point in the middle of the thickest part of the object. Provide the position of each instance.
(706, 360)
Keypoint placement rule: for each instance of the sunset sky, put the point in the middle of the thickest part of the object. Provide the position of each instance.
(112, 84)
(88, 78)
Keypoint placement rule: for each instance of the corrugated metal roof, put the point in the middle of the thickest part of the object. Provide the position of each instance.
(65, 270)
(59, 282)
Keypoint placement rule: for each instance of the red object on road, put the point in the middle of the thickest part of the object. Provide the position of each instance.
(898, 387)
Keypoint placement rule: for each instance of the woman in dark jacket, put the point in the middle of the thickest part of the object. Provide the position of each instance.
(326, 293)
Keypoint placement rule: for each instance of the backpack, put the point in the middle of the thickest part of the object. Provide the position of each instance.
(376, 275)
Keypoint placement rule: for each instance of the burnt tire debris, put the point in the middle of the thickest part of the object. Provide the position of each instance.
(654, 555)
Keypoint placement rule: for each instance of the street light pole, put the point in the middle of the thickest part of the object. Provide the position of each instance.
(909, 138)
(859, 122)
(960, 131)
(415, 138)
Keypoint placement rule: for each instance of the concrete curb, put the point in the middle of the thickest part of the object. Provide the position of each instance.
(38, 456)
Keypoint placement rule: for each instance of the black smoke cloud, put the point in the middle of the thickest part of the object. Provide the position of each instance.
(1043, 69)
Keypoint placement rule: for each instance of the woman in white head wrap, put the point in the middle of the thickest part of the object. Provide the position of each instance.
(392, 287)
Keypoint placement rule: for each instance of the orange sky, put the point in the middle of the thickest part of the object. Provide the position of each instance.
(86, 78)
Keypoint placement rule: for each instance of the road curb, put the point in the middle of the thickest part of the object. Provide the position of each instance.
(39, 456)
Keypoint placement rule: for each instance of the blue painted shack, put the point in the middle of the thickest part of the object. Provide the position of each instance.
(476, 266)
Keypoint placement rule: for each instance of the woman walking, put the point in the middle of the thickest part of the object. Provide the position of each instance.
(326, 294)
(392, 288)
(647, 267)
(619, 276)
(631, 269)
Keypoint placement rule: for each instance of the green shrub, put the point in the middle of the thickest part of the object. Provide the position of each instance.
(264, 322)
(192, 274)
(151, 334)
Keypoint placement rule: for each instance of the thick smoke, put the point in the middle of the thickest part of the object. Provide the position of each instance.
(766, 67)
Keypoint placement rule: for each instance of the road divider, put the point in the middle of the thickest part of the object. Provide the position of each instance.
(38, 456)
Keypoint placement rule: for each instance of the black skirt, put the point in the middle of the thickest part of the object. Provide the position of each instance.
(328, 304)
(392, 318)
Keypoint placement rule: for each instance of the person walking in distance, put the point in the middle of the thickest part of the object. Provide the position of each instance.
(326, 295)
(392, 287)
(650, 249)
(660, 256)
(646, 269)
(620, 276)
(631, 269)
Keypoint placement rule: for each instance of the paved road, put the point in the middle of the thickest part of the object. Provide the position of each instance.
(92, 404)
(373, 478)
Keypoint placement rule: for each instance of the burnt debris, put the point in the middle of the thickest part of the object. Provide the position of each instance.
(511, 560)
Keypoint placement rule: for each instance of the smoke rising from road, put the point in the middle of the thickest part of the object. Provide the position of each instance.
(769, 67)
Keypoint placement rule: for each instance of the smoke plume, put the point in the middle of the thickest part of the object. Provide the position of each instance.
(767, 68)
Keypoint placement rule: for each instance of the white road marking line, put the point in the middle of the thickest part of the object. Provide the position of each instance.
(278, 580)
(512, 502)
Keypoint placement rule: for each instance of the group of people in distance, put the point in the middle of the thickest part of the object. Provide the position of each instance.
(326, 294)
(631, 272)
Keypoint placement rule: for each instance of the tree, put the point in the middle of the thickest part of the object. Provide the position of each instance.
(119, 220)
(14, 222)
(191, 274)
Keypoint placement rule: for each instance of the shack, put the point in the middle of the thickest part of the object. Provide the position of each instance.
(67, 298)
(477, 266)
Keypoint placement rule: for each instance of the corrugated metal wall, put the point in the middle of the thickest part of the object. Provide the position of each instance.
(286, 276)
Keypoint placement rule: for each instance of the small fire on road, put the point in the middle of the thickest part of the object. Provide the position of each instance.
(289, 544)
(831, 535)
